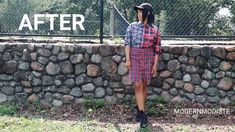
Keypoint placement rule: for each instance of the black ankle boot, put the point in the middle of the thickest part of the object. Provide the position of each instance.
(137, 115)
(143, 119)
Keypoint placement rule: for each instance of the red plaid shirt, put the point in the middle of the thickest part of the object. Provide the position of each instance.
(143, 36)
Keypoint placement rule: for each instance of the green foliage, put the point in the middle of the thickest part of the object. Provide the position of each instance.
(94, 103)
(159, 99)
(8, 109)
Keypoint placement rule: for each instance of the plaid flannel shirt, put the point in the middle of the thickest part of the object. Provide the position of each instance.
(141, 36)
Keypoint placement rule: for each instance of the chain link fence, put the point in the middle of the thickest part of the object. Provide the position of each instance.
(176, 18)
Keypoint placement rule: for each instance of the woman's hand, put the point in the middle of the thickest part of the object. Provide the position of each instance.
(128, 64)
(154, 70)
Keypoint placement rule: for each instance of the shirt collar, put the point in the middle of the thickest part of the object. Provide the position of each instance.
(142, 24)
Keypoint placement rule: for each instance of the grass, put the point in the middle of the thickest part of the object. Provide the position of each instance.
(8, 109)
(94, 103)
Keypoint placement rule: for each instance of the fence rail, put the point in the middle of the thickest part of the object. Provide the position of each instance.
(195, 19)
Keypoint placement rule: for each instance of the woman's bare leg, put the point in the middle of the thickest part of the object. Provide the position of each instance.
(139, 95)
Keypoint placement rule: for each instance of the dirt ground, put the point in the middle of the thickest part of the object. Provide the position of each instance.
(122, 117)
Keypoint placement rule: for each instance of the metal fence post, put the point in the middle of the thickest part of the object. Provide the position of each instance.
(101, 20)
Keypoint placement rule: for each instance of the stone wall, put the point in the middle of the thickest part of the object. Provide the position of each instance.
(59, 73)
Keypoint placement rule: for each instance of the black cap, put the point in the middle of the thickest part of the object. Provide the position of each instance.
(144, 6)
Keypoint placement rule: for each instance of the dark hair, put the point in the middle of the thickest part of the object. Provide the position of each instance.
(145, 14)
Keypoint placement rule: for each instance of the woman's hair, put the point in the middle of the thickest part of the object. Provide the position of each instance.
(145, 14)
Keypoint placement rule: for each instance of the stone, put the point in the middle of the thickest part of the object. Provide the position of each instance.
(43, 60)
(93, 70)
(44, 52)
(98, 81)
(220, 75)
(205, 84)
(178, 75)
(88, 87)
(219, 52)
(179, 84)
(191, 69)
(214, 99)
(188, 87)
(88, 49)
(166, 86)
(57, 82)
(225, 101)
(194, 52)
(57, 103)
(80, 68)
(48, 97)
(208, 75)
(53, 58)
(206, 52)
(109, 91)
(50, 89)
(69, 83)
(173, 65)
(231, 56)
(107, 50)
(2, 48)
(166, 56)
(187, 78)
(200, 99)
(111, 99)
(212, 91)
(225, 83)
(173, 91)
(122, 69)
(3, 98)
(225, 66)
(183, 59)
(191, 61)
(56, 50)
(47, 80)
(5, 77)
(8, 90)
(117, 58)
(34, 56)
(115, 84)
(167, 97)
(63, 56)
(77, 92)
(26, 84)
(230, 93)
(177, 99)
(165, 74)
(23, 66)
(161, 66)
(18, 89)
(37, 66)
(196, 79)
(57, 96)
(198, 90)
(11, 67)
(190, 96)
(201, 62)
(64, 90)
(77, 58)
(221, 93)
(213, 62)
(80, 79)
(53, 69)
(170, 81)
(116, 77)
(126, 80)
(66, 67)
(36, 82)
(99, 92)
(109, 65)
(96, 58)
(68, 99)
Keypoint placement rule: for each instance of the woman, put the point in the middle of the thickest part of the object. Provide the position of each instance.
(142, 48)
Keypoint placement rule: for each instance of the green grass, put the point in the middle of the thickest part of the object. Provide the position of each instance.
(22, 124)
(8, 109)
(94, 103)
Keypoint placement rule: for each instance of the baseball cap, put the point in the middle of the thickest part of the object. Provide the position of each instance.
(144, 6)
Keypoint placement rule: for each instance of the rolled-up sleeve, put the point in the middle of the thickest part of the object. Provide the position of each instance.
(158, 47)
(128, 37)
